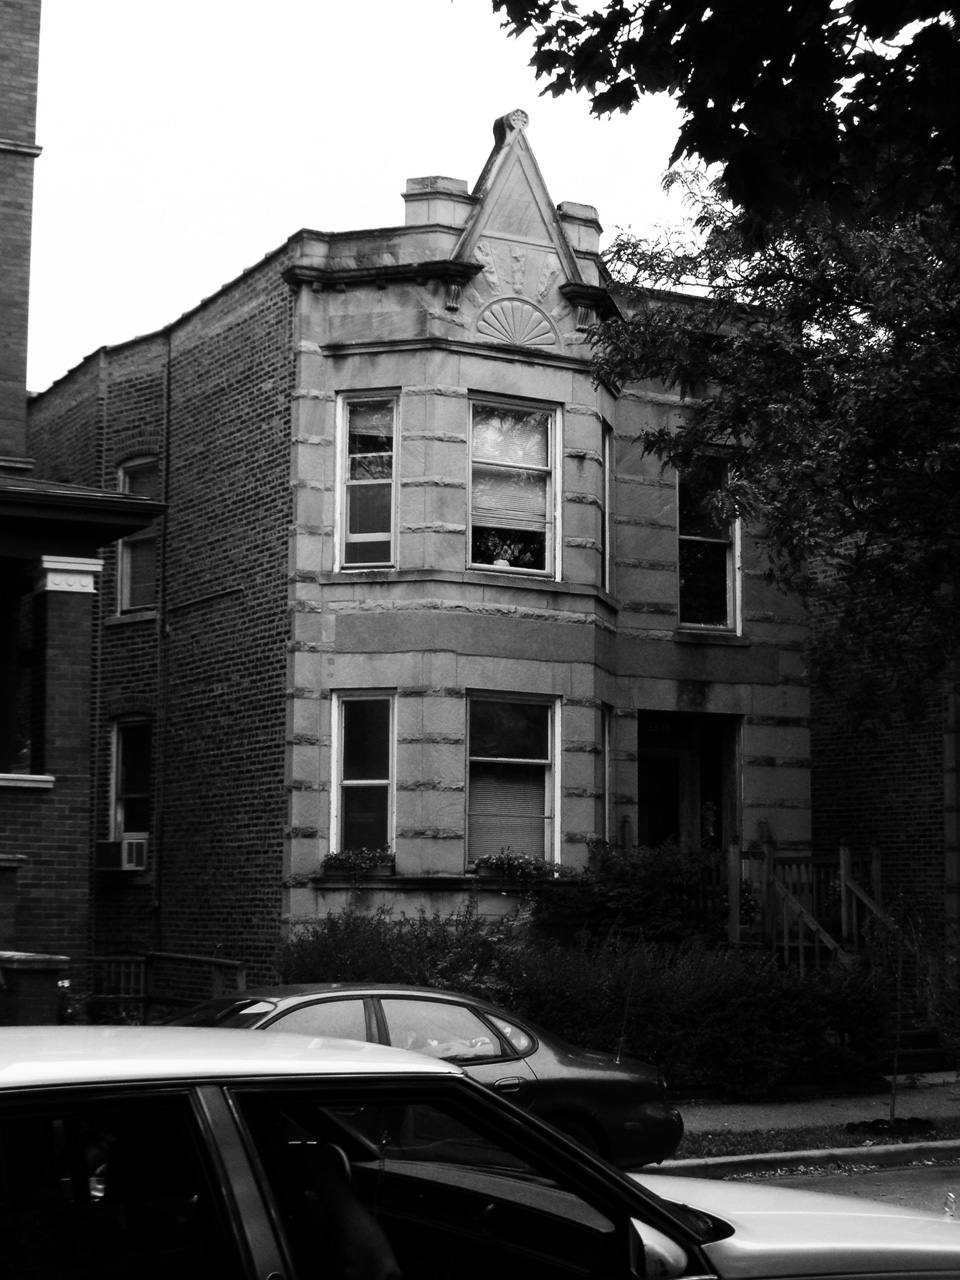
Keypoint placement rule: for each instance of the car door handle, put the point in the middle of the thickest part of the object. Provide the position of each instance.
(508, 1084)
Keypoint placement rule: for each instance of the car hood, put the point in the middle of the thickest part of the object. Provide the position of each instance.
(783, 1232)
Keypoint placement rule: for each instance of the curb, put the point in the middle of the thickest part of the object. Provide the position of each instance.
(774, 1161)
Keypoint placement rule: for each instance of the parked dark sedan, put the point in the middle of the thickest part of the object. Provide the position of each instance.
(616, 1108)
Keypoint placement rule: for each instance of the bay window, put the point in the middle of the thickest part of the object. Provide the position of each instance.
(512, 487)
(364, 745)
(369, 452)
(510, 783)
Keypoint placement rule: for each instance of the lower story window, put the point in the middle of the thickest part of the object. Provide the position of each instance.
(132, 768)
(365, 783)
(510, 800)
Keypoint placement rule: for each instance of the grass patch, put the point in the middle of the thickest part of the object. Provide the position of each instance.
(700, 1146)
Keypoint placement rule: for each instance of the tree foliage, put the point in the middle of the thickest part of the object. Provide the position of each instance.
(823, 367)
(851, 103)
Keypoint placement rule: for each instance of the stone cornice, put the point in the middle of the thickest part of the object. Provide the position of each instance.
(20, 148)
(448, 271)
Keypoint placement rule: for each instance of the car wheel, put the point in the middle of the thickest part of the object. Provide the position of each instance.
(579, 1130)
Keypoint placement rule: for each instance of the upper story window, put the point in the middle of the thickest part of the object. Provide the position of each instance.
(707, 557)
(137, 553)
(364, 741)
(510, 797)
(512, 487)
(369, 452)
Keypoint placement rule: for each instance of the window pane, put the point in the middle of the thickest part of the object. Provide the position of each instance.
(140, 571)
(517, 436)
(342, 1019)
(370, 427)
(366, 738)
(364, 823)
(110, 1191)
(440, 1030)
(369, 508)
(516, 1038)
(501, 496)
(134, 777)
(507, 809)
(376, 552)
(141, 479)
(703, 583)
(519, 548)
(509, 730)
(695, 517)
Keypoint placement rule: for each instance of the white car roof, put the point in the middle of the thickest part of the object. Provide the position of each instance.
(83, 1055)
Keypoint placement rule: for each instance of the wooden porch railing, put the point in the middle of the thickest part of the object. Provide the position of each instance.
(807, 909)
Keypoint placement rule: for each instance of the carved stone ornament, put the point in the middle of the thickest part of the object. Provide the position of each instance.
(517, 322)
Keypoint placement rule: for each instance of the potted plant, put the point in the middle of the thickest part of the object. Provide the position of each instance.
(357, 863)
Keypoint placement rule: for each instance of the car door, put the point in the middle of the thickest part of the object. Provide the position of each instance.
(456, 1033)
(114, 1184)
(378, 1179)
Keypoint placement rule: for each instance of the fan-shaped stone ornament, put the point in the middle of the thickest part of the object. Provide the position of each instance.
(517, 322)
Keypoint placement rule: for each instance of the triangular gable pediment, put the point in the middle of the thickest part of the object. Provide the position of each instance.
(516, 235)
(513, 201)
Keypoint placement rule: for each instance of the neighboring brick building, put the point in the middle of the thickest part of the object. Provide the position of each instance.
(894, 789)
(417, 586)
(50, 533)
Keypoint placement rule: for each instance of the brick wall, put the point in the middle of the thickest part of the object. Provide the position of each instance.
(208, 397)
(883, 788)
(19, 44)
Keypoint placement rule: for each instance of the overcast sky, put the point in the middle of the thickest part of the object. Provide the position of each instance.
(184, 139)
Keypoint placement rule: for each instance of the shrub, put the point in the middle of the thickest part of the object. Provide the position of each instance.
(731, 1022)
(643, 894)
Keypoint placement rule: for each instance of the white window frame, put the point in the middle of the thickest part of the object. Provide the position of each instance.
(551, 767)
(150, 534)
(608, 457)
(733, 622)
(345, 484)
(552, 533)
(338, 721)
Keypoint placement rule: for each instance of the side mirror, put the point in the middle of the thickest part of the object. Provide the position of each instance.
(654, 1255)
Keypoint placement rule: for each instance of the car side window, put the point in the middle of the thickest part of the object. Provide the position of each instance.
(515, 1036)
(439, 1029)
(384, 1182)
(341, 1019)
(111, 1191)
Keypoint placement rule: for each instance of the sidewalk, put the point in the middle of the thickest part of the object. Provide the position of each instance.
(932, 1097)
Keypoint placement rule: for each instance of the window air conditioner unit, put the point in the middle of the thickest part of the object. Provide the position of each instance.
(133, 853)
(126, 854)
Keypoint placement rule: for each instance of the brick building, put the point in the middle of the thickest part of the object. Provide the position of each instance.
(416, 586)
(50, 535)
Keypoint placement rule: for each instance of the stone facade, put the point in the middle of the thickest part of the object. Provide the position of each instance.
(417, 585)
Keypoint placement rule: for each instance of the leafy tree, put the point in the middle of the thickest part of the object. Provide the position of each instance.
(848, 102)
(823, 368)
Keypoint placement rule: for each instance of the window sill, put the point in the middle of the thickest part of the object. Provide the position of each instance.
(484, 576)
(27, 781)
(135, 615)
(685, 636)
